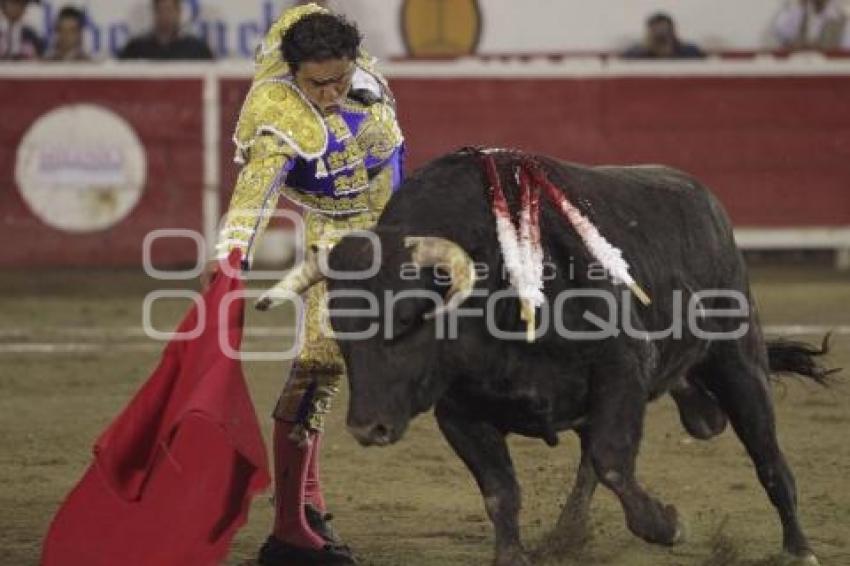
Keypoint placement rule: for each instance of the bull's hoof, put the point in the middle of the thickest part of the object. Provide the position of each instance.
(575, 532)
(807, 559)
(568, 538)
(679, 531)
(659, 524)
(681, 534)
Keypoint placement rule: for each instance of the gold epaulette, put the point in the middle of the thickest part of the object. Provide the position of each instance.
(278, 108)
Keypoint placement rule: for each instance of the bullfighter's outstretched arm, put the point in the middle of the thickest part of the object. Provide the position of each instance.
(255, 196)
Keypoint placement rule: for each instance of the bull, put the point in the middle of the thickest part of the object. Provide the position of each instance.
(425, 320)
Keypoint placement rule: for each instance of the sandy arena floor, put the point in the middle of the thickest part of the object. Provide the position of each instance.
(69, 361)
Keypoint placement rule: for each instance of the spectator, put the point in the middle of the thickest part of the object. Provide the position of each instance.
(662, 42)
(812, 24)
(68, 36)
(165, 41)
(18, 42)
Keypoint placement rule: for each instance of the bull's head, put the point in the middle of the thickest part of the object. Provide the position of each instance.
(385, 321)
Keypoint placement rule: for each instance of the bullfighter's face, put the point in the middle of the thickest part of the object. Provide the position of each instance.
(325, 83)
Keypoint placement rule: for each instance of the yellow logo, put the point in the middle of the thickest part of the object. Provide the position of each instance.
(441, 28)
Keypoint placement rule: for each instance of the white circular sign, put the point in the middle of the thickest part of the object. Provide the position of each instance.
(81, 168)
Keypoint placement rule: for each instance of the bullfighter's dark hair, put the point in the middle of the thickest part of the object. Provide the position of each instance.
(319, 37)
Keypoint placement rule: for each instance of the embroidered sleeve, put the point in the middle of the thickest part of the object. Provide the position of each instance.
(255, 196)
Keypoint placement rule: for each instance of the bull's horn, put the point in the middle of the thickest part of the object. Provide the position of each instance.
(296, 281)
(430, 251)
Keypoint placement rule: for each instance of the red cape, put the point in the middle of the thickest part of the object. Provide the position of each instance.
(173, 475)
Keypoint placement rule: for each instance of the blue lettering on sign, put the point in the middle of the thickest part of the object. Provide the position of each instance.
(95, 38)
(47, 22)
(270, 16)
(248, 38)
(194, 8)
(119, 35)
(226, 38)
(215, 34)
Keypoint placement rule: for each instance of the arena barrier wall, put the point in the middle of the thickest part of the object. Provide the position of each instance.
(771, 138)
(96, 219)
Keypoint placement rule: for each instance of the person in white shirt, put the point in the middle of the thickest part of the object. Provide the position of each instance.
(18, 42)
(812, 24)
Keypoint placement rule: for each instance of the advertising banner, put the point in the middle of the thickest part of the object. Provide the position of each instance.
(91, 168)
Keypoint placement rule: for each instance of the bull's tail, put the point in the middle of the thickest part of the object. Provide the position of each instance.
(787, 356)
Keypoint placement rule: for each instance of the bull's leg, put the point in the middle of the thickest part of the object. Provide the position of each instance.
(484, 450)
(573, 524)
(618, 403)
(741, 386)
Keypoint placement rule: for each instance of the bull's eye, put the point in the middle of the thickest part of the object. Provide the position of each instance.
(403, 323)
(404, 319)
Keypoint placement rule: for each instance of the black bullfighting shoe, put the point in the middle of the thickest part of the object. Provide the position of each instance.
(277, 553)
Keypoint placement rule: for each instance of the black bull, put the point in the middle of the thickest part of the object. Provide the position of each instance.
(676, 238)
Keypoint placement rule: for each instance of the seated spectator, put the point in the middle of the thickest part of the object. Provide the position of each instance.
(165, 41)
(18, 42)
(812, 24)
(68, 36)
(662, 42)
